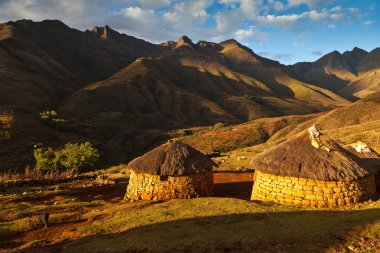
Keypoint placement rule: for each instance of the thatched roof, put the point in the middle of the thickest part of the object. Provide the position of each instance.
(371, 159)
(172, 159)
(296, 157)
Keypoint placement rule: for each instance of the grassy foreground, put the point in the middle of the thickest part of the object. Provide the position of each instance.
(95, 219)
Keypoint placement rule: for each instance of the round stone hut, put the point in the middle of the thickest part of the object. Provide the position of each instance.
(172, 170)
(311, 169)
(368, 156)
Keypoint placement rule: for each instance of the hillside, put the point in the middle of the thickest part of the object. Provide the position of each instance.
(125, 94)
(356, 122)
(352, 74)
(198, 84)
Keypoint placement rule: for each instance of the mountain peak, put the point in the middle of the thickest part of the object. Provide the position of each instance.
(231, 42)
(103, 32)
(184, 41)
(355, 51)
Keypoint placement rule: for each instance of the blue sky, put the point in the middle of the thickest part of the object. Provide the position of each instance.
(284, 30)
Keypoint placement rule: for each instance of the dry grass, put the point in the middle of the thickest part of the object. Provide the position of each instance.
(96, 220)
(30, 174)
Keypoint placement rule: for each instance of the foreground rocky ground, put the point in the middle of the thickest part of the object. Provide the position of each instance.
(90, 217)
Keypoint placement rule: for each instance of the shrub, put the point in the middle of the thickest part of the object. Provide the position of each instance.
(78, 156)
(258, 100)
(187, 132)
(220, 125)
(72, 156)
(51, 118)
(45, 158)
(248, 97)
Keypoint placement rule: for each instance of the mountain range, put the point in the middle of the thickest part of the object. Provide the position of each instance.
(126, 94)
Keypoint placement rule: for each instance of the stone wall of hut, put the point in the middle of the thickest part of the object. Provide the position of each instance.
(153, 187)
(307, 192)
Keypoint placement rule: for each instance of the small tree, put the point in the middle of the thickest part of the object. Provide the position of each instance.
(78, 156)
(45, 158)
(72, 156)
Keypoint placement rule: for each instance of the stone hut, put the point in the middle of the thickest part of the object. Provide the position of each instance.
(172, 170)
(311, 169)
(368, 156)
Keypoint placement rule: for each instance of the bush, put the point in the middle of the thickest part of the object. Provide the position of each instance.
(72, 156)
(78, 156)
(220, 125)
(187, 132)
(248, 97)
(51, 118)
(258, 100)
(45, 158)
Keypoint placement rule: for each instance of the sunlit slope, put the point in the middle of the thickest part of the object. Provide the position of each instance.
(200, 84)
(353, 74)
(359, 121)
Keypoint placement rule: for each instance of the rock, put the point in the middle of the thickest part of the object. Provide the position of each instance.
(24, 193)
(56, 203)
(103, 180)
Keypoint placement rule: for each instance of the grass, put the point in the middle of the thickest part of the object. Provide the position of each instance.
(95, 219)
(33, 174)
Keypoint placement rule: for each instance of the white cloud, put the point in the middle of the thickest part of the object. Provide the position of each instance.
(278, 6)
(368, 22)
(311, 3)
(228, 21)
(161, 20)
(285, 21)
(245, 35)
(331, 26)
(317, 16)
(232, 3)
(251, 8)
(337, 9)
(337, 16)
(153, 4)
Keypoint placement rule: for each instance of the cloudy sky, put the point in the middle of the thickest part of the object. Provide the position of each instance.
(285, 30)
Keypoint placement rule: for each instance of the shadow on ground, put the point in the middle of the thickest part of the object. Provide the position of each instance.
(294, 231)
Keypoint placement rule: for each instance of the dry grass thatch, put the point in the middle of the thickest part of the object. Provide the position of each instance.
(172, 159)
(296, 157)
(372, 159)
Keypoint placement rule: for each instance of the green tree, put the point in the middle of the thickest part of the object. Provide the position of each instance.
(72, 156)
(45, 158)
(78, 156)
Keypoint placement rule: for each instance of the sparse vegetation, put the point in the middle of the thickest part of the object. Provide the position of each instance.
(6, 119)
(72, 156)
(95, 219)
(51, 118)
(248, 97)
(30, 174)
(220, 125)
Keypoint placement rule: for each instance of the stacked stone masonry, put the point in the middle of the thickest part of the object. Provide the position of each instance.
(307, 192)
(153, 187)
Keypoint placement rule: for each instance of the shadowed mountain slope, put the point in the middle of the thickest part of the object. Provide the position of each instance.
(353, 74)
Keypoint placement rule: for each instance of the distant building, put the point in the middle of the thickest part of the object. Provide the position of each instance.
(311, 169)
(172, 170)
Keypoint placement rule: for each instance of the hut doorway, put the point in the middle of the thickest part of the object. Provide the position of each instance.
(233, 184)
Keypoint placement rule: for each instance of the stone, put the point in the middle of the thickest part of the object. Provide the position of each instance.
(310, 197)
